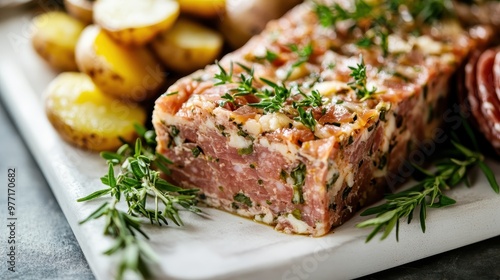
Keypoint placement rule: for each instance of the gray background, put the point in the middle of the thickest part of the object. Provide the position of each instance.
(47, 248)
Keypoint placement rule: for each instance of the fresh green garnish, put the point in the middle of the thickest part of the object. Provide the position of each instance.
(245, 85)
(272, 100)
(429, 10)
(365, 42)
(360, 80)
(381, 18)
(306, 118)
(312, 100)
(227, 97)
(303, 53)
(384, 11)
(271, 56)
(303, 56)
(135, 182)
(330, 15)
(428, 192)
(223, 76)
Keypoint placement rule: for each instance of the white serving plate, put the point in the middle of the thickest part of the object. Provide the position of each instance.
(222, 246)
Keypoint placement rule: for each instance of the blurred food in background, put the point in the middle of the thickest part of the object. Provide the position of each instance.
(246, 18)
(129, 51)
(479, 79)
(478, 11)
(132, 50)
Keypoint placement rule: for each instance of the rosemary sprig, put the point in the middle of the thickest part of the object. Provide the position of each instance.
(137, 180)
(428, 192)
(359, 83)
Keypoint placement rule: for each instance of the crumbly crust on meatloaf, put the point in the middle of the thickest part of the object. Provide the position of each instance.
(271, 167)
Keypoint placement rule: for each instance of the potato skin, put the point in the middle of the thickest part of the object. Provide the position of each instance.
(125, 73)
(91, 142)
(55, 38)
(187, 46)
(74, 106)
(203, 8)
(80, 9)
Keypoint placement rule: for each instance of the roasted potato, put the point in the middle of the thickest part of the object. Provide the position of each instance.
(203, 8)
(54, 39)
(134, 22)
(80, 9)
(122, 72)
(244, 19)
(86, 117)
(187, 46)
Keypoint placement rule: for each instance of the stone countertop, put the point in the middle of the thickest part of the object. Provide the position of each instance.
(47, 248)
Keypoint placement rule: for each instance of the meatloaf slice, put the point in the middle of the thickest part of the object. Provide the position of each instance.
(307, 171)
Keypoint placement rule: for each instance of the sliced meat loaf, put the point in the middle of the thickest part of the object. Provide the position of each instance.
(275, 166)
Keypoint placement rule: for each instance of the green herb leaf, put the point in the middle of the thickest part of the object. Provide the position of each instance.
(428, 192)
(490, 176)
(298, 174)
(360, 80)
(243, 199)
(223, 76)
(95, 195)
(271, 56)
(306, 118)
(135, 181)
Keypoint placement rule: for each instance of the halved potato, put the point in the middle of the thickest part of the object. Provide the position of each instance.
(203, 8)
(54, 39)
(135, 22)
(86, 117)
(122, 72)
(80, 9)
(187, 46)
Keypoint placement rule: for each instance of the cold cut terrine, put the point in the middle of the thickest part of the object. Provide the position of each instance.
(311, 120)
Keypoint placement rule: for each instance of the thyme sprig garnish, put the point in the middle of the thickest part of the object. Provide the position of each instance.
(223, 76)
(421, 11)
(303, 56)
(330, 15)
(138, 181)
(272, 98)
(312, 100)
(359, 85)
(382, 17)
(428, 192)
(269, 56)
(245, 84)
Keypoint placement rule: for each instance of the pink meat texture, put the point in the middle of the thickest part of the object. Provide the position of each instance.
(269, 166)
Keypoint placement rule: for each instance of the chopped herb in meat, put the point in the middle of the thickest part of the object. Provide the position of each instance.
(243, 199)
